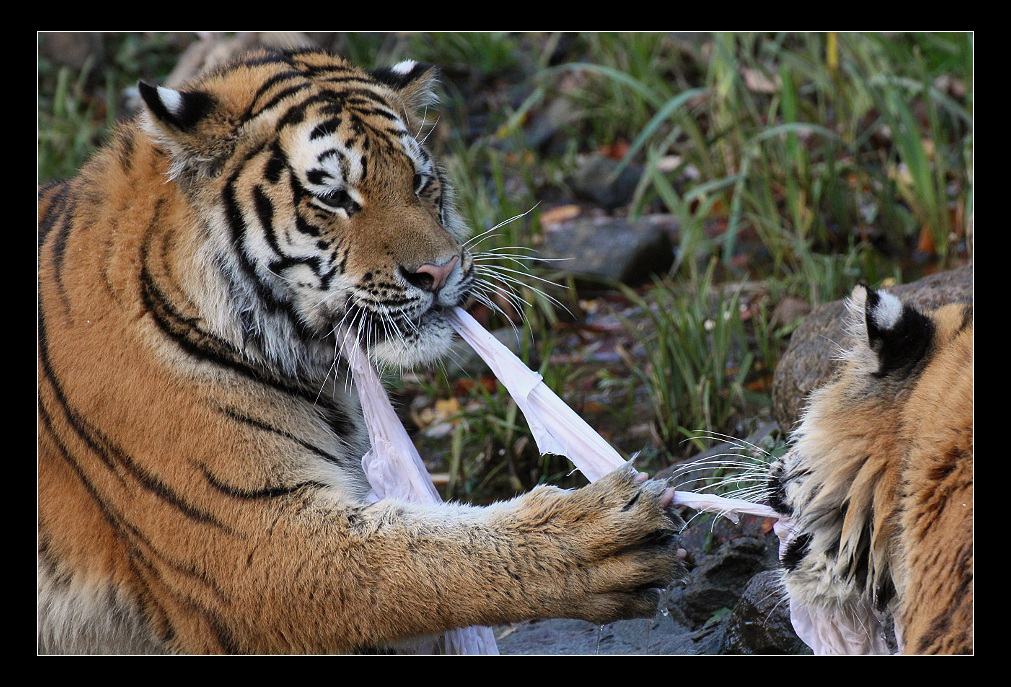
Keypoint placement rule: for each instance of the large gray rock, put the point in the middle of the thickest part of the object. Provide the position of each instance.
(718, 581)
(760, 621)
(810, 359)
(604, 182)
(611, 248)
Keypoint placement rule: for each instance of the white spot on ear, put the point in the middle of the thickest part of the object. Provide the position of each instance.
(888, 311)
(173, 100)
(404, 67)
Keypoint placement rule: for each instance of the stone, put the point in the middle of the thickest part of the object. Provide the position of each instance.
(612, 249)
(600, 181)
(760, 621)
(716, 584)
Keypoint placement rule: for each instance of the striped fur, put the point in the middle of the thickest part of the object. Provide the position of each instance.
(879, 480)
(200, 479)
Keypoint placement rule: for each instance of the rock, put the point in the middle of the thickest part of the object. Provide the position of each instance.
(728, 603)
(599, 181)
(549, 128)
(788, 311)
(73, 49)
(691, 474)
(717, 582)
(545, 131)
(809, 360)
(641, 636)
(611, 248)
(760, 621)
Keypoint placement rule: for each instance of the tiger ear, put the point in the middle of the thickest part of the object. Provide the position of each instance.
(413, 81)
(190, 124)
(177, 110)
(898, 334)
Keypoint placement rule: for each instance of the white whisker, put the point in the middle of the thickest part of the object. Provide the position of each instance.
(496, 272)
(477, 238)
(509, 294)
(424, 119)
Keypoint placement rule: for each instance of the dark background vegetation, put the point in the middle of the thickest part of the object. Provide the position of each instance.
(793, 164)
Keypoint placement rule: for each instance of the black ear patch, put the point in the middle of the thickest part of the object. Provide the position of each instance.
(405, 74)
(899, 334)
(179, 109)
(413, 82)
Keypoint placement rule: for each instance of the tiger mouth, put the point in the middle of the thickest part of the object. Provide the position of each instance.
(374, 326)
(405, 321)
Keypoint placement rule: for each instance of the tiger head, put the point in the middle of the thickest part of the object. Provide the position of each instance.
(322, 207)
(884, 450)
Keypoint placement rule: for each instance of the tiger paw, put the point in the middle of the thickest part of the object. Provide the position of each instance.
(604, 552)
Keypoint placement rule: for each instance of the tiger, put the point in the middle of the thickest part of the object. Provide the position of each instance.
(200, 485)
(877, 486)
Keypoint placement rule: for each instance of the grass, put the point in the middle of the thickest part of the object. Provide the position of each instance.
(72, 123)
(699, 360)
(801, 162)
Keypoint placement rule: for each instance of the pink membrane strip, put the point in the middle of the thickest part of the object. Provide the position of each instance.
(557, 429)
(395, 469)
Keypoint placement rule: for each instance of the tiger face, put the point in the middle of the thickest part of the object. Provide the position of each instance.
(318, 189)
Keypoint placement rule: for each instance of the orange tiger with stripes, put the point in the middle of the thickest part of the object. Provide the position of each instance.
(197, 492)
(878, 485)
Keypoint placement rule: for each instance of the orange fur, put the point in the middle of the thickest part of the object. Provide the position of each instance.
(879, 480)
(199, 468)
(935, 568)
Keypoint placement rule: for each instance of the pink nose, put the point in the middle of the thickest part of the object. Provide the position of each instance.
(431, 277)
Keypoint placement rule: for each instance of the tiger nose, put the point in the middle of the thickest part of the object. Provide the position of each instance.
(430, 277)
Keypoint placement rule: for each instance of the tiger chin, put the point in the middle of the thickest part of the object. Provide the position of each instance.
(200, 487)
(878, 484)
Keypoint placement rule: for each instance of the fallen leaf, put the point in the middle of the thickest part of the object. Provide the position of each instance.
(759, 385)
(757, 81)
(465, 386)
(559, 214)
(447, 407)
(615, 151)
(926, 242)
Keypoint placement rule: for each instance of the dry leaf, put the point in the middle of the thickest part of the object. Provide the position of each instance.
(558, 214)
